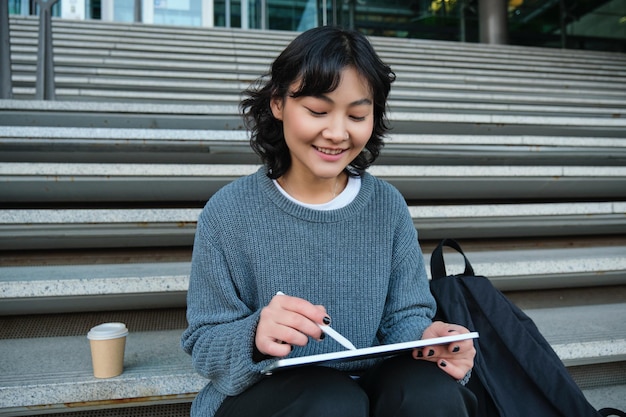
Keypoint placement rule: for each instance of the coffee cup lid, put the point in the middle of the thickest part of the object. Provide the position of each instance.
(106, 331)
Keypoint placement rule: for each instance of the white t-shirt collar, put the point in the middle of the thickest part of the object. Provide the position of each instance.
(343, 199)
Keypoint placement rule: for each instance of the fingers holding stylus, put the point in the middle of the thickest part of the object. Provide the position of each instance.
(288, 321)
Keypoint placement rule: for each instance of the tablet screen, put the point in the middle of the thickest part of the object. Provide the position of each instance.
(364, 353)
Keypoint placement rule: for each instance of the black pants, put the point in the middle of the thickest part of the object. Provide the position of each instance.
(398, 387)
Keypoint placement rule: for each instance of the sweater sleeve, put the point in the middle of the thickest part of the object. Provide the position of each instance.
(221, 327)
(410, 306)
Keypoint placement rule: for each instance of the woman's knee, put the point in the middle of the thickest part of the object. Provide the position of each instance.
(445, 400)
(405, 387)
(304, 392)
(333, 394)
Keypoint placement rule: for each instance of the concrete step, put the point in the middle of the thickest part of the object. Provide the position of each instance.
(612, 396)
(89, 183)
(227, 69)
(80, 288)
(149, 72)
(595, 340)
(449, 119)
(128, 34)
(500, 74)
(421, 98)
(81, 144)
(122, 115)
(120, 145)
(52, 288)
(148, 75)
(157, 371)
(160, 78)
(132, 79)
(29, 229)
(55, 374)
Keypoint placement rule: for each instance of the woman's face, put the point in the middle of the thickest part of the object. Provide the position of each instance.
(325, 133)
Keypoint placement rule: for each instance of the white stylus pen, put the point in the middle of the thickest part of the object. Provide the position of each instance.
(332, 333)
(338, 337)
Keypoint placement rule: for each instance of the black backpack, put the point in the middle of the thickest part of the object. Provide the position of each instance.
(516, 372)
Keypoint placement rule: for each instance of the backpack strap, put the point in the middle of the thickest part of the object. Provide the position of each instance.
(611, 412)
(437, 264)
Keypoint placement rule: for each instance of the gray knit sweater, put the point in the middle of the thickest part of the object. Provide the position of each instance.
(362, 262)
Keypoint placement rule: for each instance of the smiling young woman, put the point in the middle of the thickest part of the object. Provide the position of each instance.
(314, 224)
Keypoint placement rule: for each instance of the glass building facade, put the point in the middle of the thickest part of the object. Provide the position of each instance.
(577, 24)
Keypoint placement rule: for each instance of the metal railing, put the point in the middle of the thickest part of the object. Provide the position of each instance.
(6, 86)
(45, 86)
(45, 55)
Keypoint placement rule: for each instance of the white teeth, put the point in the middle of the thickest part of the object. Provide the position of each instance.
(329, 151)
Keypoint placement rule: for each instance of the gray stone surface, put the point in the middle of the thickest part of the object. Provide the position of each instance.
(613, 396)
(55, 371)
(88, 280)
(584, 334)
(196, 182)
(58, 371)
(528, 269)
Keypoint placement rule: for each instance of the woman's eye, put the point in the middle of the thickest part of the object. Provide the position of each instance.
(358, 118)
(316, 113)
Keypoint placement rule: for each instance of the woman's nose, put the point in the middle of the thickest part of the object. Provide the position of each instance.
(337, 132)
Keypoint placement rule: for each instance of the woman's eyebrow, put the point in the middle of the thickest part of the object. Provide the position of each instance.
(361, 102)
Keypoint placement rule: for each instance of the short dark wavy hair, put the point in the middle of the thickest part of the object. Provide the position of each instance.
(316, 59)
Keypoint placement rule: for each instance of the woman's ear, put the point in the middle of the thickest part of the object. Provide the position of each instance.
(276, 104)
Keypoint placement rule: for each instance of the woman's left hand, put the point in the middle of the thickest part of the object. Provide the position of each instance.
(457, 358)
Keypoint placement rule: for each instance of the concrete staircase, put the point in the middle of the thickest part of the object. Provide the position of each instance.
(519, 153)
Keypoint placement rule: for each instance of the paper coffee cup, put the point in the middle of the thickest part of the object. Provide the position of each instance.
(108, 341)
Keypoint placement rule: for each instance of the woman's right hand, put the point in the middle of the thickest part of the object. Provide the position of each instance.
(287, 321)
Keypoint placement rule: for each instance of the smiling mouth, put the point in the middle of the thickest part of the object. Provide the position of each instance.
(329, 151)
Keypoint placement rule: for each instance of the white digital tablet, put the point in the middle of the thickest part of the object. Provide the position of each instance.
(364, 353)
